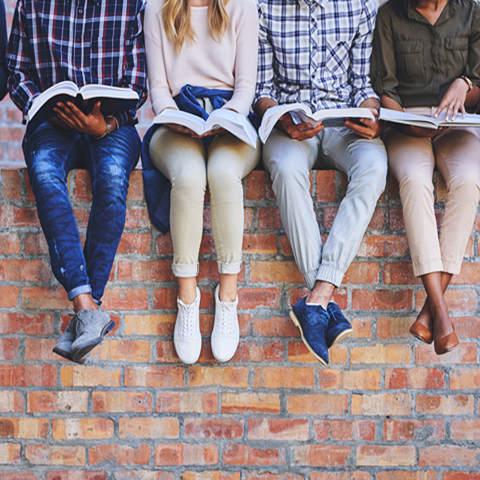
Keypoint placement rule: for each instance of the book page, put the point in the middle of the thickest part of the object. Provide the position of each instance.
(406, 118)
(95, 91)
(466, 120)
(343, 113)
(235, 123)
(197, 124)
(62, 88)
(273, 114)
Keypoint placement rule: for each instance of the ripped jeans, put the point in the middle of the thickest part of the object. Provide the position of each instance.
(50, 153)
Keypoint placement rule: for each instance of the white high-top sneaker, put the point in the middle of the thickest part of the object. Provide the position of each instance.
(226, 332)
(186, 336)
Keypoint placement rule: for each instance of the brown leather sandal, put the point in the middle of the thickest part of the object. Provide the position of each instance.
(420, 331)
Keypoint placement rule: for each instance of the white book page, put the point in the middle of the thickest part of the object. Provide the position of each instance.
(339, 113)
(197, 124)
(273, 114)
(466, 120)
(95, 91)
(407, 118)
(62, 88)
(233, 122)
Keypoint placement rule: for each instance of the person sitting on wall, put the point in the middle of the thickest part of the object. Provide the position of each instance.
(95, 42)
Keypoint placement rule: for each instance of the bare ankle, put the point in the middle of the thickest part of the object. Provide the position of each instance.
(321, 294)
(84, 301)
(187, 290)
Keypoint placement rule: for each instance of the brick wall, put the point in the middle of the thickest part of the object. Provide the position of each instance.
(387, 408)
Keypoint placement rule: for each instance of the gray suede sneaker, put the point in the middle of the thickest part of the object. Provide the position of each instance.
(64, 345)
(91, 328)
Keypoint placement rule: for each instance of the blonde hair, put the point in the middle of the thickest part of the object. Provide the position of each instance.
(177, 21)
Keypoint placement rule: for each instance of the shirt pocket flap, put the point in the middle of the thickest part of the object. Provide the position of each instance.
(409, 46)
(455, 43)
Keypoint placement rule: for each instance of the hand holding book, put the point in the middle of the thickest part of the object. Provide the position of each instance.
(70, 115)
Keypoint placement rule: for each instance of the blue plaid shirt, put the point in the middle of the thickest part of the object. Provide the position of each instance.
(316, 51)
(85, 41)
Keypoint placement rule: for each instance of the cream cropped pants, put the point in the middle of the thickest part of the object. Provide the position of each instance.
(456, 154)
(190, 166)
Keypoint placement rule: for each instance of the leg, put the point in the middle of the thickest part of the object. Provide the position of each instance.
(412, 162)
(229, 161)
(365, 164)
(49, 154)
(111, 162)
(182, 160)
(289, 163)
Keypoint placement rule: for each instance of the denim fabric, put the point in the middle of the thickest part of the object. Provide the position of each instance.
(50, 153)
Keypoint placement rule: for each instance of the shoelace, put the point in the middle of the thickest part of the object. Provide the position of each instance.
(225, 326)
(188, 320)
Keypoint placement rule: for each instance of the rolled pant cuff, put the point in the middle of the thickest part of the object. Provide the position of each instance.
(310, 278)
(453, 267)
(82, 289)
(229, 268)
(330, 274)
(423, 268)
(185, 270)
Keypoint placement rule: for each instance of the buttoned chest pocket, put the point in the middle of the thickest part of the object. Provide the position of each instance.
(456, 55)
(410, 60)
(337, 59)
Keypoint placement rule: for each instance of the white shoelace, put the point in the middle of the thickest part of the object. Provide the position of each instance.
(226, 324)
(188, 325)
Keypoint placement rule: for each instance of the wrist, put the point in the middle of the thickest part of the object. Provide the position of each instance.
(467, 82)
(111, 124)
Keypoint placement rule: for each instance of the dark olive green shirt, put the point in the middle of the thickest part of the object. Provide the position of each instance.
(415, 62)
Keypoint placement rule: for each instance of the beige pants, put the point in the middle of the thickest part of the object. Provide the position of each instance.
(456, 154)
(188, 165)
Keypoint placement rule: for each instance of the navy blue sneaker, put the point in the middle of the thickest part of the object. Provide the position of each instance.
(312, 321)
(338, 326)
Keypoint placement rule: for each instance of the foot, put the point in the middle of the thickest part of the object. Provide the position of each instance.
(443, 325)
(312, 321)
(63, 346)
(226, 331)
(91, 328)
(186, 336)
(338, 326)
(422, 328)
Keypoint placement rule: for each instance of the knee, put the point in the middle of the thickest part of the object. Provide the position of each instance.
(191, 181)
(42, 170)
(223, 179)
(465, 185)
(287, 171)
(414, 183)
(112, 180)
(371, 177)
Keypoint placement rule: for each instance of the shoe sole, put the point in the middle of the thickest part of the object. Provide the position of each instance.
(87, 348)
(341, 336)
(67, 356)
(294, 319)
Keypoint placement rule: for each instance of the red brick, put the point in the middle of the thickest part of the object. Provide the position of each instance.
(153, 376)
(321, 455)
(120, 298)
(31, 428)
(448, 455)
(82, 428)
(380, 353)
(187, 402)
(317, 404)
(83, 376)
(465, 430)
(416, 378)
(54, 402)
(225, 376)
(148, 427)
(254, 402)
(412, 429)
(8, 296)
(154, 325)
(121, 401)
(213, 428)
(465, 379)
(363, 273)
(9, 348)
(28, 376)
(465, 353)
(445, 404)
(278, 377)
(344, 430)
(55, 455)
(185, 454)
(381, 300)
(386, 456)
(240, 454)
(119, 454)
(382, 404)
(11, 401)
(9, 453)
(278, 429)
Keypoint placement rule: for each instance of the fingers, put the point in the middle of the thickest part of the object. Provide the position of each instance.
(298, 134)
(364, 131)
(97, 108)
(65, 119)
(66, 112)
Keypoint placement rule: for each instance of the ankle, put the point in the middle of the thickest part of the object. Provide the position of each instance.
(228, 295)
(187, 291)
(84, 302)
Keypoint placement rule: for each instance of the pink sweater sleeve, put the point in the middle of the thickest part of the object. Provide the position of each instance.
(160, 93)
(246, 58)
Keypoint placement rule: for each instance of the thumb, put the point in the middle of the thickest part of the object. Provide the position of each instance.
(97, 108)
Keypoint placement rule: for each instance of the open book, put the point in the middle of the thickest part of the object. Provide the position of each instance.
(114, 99)
(429, 121)
(233, 122)
(302, 113)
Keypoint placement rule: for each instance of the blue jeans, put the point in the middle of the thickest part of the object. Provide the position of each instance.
(50, 153)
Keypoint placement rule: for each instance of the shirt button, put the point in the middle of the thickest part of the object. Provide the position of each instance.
(80, 11)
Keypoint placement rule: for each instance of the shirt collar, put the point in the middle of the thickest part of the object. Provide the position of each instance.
(448, 12)
(307, 3)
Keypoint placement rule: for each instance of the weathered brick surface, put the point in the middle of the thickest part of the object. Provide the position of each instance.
(386, 408)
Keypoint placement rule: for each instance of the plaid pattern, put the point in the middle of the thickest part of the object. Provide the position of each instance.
(316, 51)
(85, 41)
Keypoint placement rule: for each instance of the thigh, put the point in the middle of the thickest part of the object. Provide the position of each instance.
(457, 153)
(119, 151)
(409, 156)
(281, 154)
(348, 152)
(229, 155)
(48, 148)
(176, 155)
